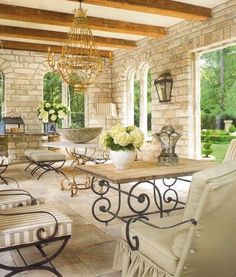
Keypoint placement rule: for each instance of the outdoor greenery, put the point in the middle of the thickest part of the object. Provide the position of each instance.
(52, 93)
(137, 102)
(217, 136)
(77, 108)
(52, 88)
(218, 86)
(207, 150)
(1, 94)
(218, 99)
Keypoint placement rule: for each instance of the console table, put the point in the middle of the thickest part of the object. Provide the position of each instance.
(111, 179)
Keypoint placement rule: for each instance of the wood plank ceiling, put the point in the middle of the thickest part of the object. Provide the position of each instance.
(34, 25)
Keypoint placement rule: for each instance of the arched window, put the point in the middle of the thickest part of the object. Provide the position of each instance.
(77, 109)
(137, 101)
(52, 88)
(149, 102)
(2, 94)
(139, 98)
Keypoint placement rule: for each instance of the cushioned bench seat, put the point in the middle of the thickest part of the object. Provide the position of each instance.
(22, 229)
(15, 198)
(44, 155)
(45, 160)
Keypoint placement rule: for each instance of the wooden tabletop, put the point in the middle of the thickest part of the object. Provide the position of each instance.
(145, 170)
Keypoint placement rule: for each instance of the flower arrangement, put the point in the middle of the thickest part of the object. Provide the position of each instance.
(122, 138)
(52, 112)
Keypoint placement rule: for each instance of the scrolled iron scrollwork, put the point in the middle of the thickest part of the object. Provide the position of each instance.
(142, 198)
(134, 246)
(103, 186)
(170, 195)
(103, 204)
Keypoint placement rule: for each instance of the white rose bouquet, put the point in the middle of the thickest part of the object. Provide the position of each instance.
(122, 138)
(51, 112)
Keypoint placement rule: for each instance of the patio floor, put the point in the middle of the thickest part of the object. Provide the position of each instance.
(91, 249)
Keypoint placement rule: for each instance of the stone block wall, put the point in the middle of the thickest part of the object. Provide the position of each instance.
(18, 143)
(177, 53)
(24, 72)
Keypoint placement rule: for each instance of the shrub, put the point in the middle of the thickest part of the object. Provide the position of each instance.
(223, 139)
(207, 150)
(208, 121)
(232, 128)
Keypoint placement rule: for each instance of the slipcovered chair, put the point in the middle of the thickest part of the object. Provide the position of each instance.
(230, 154)
(199, 242)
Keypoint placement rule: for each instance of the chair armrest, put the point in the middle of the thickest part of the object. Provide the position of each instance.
(145, 220)
(40, 230)
(18, 192)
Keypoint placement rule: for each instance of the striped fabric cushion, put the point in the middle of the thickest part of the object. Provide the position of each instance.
(13, 201)
(22, 229)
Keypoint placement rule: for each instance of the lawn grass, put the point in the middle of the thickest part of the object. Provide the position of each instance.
(219, 151)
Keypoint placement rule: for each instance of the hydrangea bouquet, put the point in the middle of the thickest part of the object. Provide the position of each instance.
(122, 138)
(51, 112)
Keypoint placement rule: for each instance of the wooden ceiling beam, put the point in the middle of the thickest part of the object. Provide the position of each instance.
(11, 12)
(26, 33)
(162, 7)
(16, 45)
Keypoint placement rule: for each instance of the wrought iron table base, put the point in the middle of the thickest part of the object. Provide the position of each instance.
(103, 204)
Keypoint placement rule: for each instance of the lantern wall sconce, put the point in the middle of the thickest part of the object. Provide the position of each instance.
(164, 85)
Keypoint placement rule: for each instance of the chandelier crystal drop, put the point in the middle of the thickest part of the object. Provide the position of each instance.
(79, 64)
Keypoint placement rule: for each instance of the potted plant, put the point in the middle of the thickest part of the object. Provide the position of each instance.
(123, 142)
(51, 114)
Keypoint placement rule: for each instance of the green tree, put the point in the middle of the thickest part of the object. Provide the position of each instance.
(149, 101)
(52, 92)
(52, 88)
(1, 94)
(137, 103)
(77, 108)
(218, 82)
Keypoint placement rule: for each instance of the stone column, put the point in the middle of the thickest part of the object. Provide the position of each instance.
(227, 123)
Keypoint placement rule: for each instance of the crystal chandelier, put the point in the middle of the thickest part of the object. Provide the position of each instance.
(79, 64)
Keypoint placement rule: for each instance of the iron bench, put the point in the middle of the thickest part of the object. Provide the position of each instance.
(37, 226)
(44, 160)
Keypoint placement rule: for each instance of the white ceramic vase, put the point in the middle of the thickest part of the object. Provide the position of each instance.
(123, 159)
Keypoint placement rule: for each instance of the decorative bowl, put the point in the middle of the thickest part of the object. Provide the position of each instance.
(79, 135)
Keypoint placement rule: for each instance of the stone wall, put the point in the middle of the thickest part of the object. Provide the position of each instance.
(24, 72)
(176, 53)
